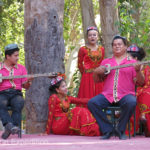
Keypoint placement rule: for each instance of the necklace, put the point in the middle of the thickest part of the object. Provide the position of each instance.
(95, 56)
(65, 104)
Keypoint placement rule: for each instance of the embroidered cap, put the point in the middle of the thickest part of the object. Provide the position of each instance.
(11, 47)
(119, 36)
(92, 28)
(56, 80)
(132, 48)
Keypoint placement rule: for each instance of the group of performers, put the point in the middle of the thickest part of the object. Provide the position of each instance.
(127, 87)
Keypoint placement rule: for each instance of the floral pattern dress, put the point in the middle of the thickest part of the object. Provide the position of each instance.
(65, 121)
(88, 60)
(143, 99)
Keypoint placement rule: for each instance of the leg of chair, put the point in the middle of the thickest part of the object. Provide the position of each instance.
(20, 133)
(129, 128)
(134, 123)
(112, 118)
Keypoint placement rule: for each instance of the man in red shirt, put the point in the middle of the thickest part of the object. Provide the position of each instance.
(10, 90)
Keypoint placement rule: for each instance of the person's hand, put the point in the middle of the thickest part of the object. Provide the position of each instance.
(100, 70)
(99, 73)
(138, 67)
(30, 80)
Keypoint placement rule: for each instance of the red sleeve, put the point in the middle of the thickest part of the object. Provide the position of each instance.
(75, 100)
(146, 72)
(147, 75)
(80, 59)
(51, 108)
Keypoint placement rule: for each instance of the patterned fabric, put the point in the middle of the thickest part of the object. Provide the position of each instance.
(56, 80)
(12, 83)
(132, 48)
(88, 60)
(92, 28)
(143, 98)
(119, 81)
(77, 121)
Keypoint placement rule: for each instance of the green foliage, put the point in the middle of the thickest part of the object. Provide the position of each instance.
(12, 25)
(72, 24)
(76, 83)
(135, 23)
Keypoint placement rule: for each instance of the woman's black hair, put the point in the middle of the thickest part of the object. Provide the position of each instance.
(52, 88)
(10, 52)
(120, 37)
(140, 54)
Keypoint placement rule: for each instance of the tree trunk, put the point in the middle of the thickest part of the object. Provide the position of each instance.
(44, 52)
(135, 16)
(109, 16)
(87, 16)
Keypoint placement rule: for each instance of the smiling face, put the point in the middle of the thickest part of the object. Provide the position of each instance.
(119, 48)
(92, 36)
(62, 90)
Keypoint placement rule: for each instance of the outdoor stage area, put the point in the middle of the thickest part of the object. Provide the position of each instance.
(66, 142)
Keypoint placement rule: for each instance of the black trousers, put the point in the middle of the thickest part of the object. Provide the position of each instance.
(13, 98)
(98, 103)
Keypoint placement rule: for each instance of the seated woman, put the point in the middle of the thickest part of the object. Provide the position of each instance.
(66, 121)
(143, 93)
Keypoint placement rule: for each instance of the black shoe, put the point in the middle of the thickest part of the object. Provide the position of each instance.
(121, 135)
(106, 135)
(10, 129)
(6, 134)
(7, 131)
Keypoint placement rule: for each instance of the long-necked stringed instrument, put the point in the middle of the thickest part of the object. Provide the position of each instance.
(109, 68)
(50, 75)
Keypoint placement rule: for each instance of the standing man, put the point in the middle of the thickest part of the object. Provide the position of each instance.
(119, 88)
(10, 90)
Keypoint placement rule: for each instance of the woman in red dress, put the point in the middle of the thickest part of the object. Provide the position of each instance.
(89, 58)
(66, 121)
(143, 93)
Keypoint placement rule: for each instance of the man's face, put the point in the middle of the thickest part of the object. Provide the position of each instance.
(119, 48)
(13, 59)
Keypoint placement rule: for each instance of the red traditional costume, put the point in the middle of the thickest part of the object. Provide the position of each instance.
(77, 121)
(88, 60)
(143, 99)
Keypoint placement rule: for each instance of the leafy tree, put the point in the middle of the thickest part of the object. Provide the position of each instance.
(135, 23)
(12, 24)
